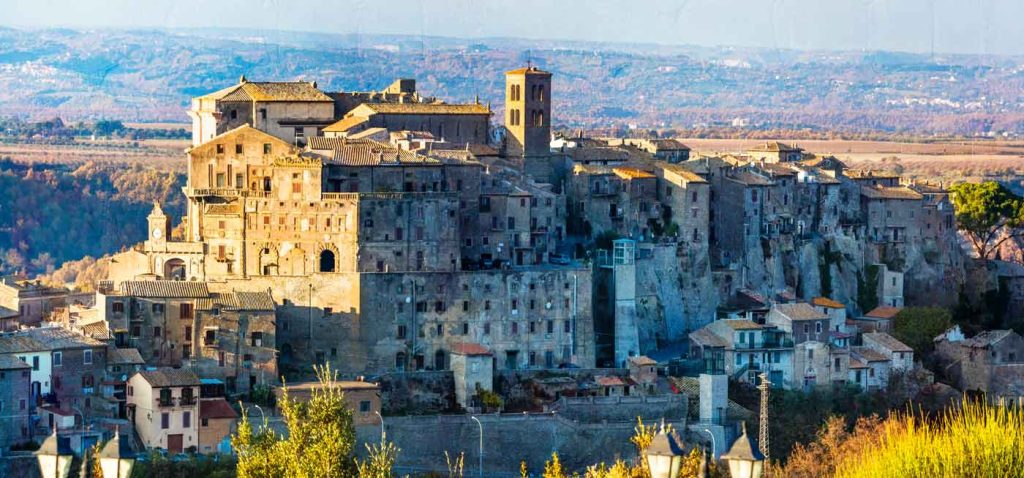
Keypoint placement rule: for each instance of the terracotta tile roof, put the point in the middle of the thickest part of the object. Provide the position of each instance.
(169, 377)
(883, 312)
(883, 192)
(683, 172)
(609, 381)
(774, 147)
(8, 362)
(117, 356)
(530, 70)
(668, 144)
(591, 169)
(345, 124)
(826, 302)
(868, 354)
(254, 301)
(855, 363)
(165, 289)
(270, 91)
(777, 169)
(420, 109)
(632, 173)
(741, 324)
(42, 339)
(642, 360)
(800, 311)
(748, 178)
(708, 338)
(365, 152)
(216, 408)
(469, 348)
(887, 341)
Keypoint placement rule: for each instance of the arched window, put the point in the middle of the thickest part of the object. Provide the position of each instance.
(540, 92)
(327, 261)
(540, 118)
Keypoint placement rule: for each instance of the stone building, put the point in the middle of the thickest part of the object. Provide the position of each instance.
(670, 150)
(749, 350)
(292, 111)
(217, 422)
(227, 335)
(363, 398)
(453, 123)
(473, 368)
(15, 409)
(900, 354)
(991, 362)
(28, 303)
(775, 152)
(163, 405)
(802, 320)
(889, 213)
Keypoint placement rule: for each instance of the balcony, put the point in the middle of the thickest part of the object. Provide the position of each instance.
(187, 401)
(224, 192)
(165, 402)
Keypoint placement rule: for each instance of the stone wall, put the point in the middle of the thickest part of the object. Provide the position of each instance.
(617, 409)
(417, 392)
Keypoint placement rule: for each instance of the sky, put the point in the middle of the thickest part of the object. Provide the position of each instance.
(920, 26)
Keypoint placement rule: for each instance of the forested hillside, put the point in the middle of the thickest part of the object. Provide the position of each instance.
(50, 214)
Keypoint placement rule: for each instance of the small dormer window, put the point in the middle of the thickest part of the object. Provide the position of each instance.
(220, 149)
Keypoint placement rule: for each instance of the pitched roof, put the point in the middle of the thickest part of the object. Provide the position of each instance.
(856, 363)
(632, 173)
(774, 147)
(42, 339)
(749, 178)
(165, 289)
(887, 341)
(528, 70)
(598, 153)
(741, 324)
(869, 355)
(216, 408)
(254, 301)
(169, 377)
(468, 348)
(367, 109)
(117, 356)
(883, 312)
(686, 173)
(642, 360)
(708, 338)
(884, 192)
(265, 91)
(826, 302)
(609, 381)
(800, 311)
(345, 124)
(8, 362)
(365, 152)
(987, 338)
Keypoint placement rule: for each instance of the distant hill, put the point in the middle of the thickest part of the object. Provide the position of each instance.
(149, 75)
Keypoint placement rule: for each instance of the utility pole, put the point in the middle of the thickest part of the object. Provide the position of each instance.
(763, 438)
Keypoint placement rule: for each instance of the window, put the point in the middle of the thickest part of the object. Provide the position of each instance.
(186, 419)
(487, 305)
(487, 328)
(567, 326)
(515, 328)
(465, 328)
(58, 359)
(220, 358)
(205, 422)
(158, 308)
(35, 363)
(87, 357)
(533, 327)
(440, 330)
(364, 406)
(186, 311)
(257, 339)
(156, 332)
(817, 327)
(551, 326)
(266, 147)
(238, 147)
(117, 307)
(165, 420)
(807, 328)
(220, 149)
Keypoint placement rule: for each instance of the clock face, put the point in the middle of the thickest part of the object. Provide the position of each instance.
(157, 233)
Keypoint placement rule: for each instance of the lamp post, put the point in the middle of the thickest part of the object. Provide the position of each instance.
(713, 448)
(480, 454)
(664, 455)
(54, 457)
(116, 458)
(381, 425)
(744, 459)
(263, 417)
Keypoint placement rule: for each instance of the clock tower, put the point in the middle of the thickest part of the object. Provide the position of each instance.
(159, 225)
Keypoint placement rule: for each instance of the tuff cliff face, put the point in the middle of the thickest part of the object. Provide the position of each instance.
(676, 294)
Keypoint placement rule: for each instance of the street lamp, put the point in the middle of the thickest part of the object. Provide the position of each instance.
(116, 458)
(54, 457)
(745, 460)
(381, 425)
(480, 455)
(664, 456)
(713, 448)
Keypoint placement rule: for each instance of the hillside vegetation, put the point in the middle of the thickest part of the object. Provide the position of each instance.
(50, 214)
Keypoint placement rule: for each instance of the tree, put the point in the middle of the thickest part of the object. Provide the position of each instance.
(380, 460)
(320, 440)
(918, 327)
(553, 468)
(988, 214)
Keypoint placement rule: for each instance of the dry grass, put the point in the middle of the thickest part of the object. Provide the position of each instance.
(160, 154)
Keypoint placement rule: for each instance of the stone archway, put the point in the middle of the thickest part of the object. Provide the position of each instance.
(327, 258)
(175, 269)
(268, 260)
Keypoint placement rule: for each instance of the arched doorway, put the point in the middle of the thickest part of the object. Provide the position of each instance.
(268, 261)
(174, 269)
(327, 260)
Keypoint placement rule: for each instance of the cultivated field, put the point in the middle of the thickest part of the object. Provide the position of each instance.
(160, 154)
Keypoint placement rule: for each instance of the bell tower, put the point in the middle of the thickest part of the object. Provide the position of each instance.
(528, 112)
(159, 225)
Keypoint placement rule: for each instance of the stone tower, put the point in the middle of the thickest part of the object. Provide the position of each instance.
(627, 337)
(159, 225)
(528, 112)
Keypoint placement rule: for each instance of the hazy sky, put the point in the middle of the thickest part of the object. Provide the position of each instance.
(960, 26)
